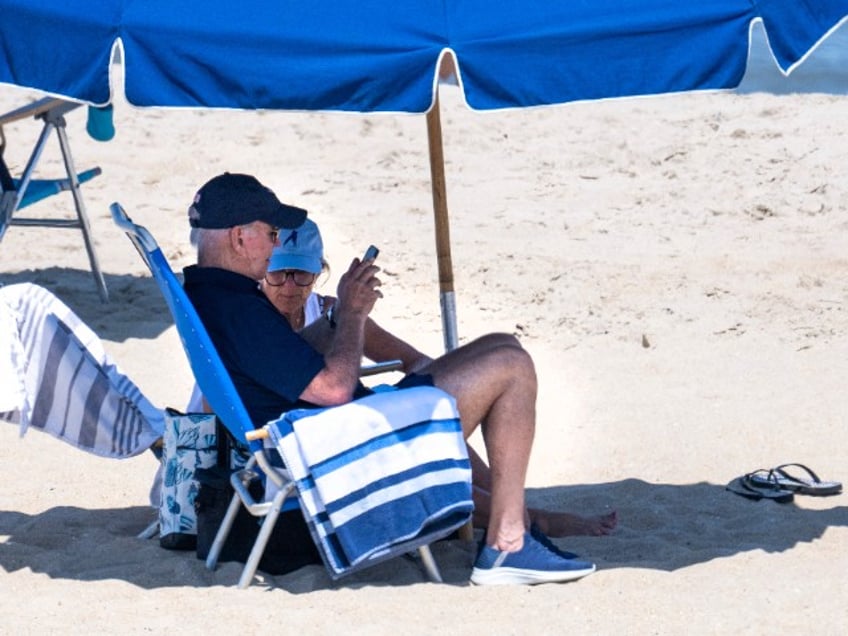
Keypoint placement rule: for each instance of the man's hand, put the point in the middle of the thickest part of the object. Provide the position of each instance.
(357, 292)
(358, 289)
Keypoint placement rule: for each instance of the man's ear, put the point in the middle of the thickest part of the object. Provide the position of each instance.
(236, 236)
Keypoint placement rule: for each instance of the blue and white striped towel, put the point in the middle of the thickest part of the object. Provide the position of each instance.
(58, 378)
(379, 476)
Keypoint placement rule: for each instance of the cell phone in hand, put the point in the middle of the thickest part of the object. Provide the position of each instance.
(371, 253)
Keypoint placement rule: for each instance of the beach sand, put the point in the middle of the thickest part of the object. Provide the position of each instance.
(676, 266)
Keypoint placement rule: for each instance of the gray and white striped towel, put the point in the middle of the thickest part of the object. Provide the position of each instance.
(58, 378)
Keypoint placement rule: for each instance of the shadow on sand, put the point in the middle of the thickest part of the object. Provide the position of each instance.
(136, 308)
(662, 527)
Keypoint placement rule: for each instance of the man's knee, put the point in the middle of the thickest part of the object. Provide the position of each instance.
(510, 359)
(519, 359)
(496, 359)
(499, 339)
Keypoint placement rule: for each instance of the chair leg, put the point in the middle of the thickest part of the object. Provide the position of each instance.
(83, 217)
(429, 564)
(12, 199)
(223, 533)
(268, 524)
(7, 206)
(150, 531)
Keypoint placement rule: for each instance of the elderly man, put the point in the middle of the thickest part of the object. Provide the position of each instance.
(275, 369)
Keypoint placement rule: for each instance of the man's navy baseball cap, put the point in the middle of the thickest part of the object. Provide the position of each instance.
(229, 200)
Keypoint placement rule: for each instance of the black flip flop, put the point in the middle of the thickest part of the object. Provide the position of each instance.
(807, 485)
(746, 488)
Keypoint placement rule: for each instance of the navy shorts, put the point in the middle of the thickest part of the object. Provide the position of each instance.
(415, 379)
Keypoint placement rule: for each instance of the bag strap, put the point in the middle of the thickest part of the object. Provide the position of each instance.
(222, 436)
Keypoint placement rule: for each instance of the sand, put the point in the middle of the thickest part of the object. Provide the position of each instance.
(676, 266)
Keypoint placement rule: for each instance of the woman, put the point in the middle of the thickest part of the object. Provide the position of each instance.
(289, 284)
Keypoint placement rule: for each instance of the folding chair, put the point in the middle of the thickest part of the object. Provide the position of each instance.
(19, 193)
(223, 399)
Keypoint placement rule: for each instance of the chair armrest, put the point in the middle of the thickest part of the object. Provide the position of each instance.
(380, 367)
(34, 109)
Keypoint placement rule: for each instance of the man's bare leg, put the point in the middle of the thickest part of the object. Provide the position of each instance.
(494, 383)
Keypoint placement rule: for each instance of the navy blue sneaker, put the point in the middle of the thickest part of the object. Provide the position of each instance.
(534, 563)
(542, 538)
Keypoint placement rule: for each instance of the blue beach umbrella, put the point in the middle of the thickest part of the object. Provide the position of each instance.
(379, 56)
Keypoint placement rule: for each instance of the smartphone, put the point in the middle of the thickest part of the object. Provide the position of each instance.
(371, 253)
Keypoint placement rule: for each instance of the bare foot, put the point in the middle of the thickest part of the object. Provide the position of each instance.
(563, 524)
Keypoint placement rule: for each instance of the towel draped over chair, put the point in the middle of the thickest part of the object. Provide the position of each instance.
(58, 378)
(377, 473)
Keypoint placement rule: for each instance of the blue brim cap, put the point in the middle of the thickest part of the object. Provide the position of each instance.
(300, 248)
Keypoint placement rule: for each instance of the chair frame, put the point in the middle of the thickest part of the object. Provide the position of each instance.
(221, 394)
(52, 112)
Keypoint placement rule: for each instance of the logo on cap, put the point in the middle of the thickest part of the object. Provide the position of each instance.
(291, 238)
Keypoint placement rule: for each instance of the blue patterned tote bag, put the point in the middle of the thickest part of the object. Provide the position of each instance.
(191, 441)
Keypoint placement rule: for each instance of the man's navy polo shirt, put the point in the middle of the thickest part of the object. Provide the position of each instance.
(269, 363)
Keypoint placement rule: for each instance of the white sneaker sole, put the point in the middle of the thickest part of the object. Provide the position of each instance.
(518, 576)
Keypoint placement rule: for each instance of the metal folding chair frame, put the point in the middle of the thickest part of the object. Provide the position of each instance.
(51, 111)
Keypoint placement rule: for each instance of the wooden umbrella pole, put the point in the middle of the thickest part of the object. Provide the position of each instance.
(440, 214)
(443, 248)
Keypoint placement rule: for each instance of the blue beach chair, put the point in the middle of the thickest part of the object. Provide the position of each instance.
(223, 399)
(16, 194)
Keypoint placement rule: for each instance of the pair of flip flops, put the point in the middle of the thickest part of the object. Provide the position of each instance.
(781, 483)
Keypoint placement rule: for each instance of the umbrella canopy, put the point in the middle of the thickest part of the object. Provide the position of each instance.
(373, 55)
